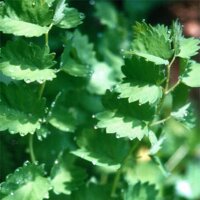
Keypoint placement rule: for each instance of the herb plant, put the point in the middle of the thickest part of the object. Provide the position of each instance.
(83, 116)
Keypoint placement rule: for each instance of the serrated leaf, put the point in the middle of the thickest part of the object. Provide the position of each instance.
(26, 61)
(149, 40)
(122, 126)
(66, 176)
(144, 93)
(190, 76)
(78, 56)
(93, 148)
(27, 183)
(21, 28)
(20, 109)
(123, 108)
(188, 47)
(176, 36)
(25, 18)
(142, 71)
(136, 86)
(185, 114)
(66, 17)
(141, 191)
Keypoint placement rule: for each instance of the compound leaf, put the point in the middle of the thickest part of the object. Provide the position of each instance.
(26, 61)
(93, 148)
(27, 183)
(66, 176)
(20, 109)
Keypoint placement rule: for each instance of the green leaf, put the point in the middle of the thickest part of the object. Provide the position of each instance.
(189, 47)
(20, 109)
(142, 71)
(93, 148)
(78, 56)
(21, 28)
(140, 92)
(185, 115)
(26, 61)
(155, 143)
(66, 17)
(63, 114)
(122, 126)
(27, 183)
(66, 176)
(190, 77)
(25, 18)
(176, 36)
(141, 191)
(136, 86)
(148, 42)
(106, 14)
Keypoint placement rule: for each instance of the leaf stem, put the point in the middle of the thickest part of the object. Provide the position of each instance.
(119, 171)
(168, 74)
(41, 90)
(32, 154)
(160, 121)
(173, 87)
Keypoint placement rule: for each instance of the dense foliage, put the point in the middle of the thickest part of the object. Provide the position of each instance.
(103, 121)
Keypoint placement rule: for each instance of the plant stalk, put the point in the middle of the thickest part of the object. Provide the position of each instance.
(32, 154)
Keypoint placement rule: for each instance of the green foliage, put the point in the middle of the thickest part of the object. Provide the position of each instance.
(65, 175)
(27, 182)
(92, 147)
(28, 62)
(106, 125)
(141, 191)
(21, 110)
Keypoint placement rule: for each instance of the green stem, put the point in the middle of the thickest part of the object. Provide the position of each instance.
(160, 121)
(165, 88)
(168, 74)
(41, 90)
(119, 171)
(173, 87)
(32, 155)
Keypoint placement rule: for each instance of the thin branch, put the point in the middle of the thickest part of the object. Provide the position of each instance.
(168, 74)
(173, 87)
(160, 121)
